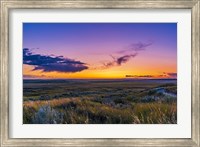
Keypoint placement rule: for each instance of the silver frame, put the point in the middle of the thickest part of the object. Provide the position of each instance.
(7, 5)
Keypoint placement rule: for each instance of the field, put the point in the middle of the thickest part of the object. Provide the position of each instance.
(125, 101)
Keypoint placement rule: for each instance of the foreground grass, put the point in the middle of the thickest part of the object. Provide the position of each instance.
(75, 111)
(99, 102)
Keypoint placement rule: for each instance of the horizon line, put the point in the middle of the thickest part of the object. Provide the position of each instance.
(99, 78)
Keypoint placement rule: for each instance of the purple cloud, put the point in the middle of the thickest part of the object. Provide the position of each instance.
(174, 75)
(117, 61)
(49, 63)
(129, 52)
(136, 47)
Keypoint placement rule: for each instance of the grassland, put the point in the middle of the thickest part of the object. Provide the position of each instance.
(100, 102)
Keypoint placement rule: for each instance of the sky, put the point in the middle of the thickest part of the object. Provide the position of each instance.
(99, 50)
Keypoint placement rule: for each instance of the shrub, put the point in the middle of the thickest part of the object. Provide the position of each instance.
(47, 115)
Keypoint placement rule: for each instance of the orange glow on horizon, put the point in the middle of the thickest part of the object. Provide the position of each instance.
(112, 73)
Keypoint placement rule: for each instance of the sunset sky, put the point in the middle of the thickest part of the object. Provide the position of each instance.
(99, 50)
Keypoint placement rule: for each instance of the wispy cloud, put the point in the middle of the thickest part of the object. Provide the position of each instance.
(125, 58)
(170, 74)
(52, 63)
(163, 75)
(126, 54)
(139, 76)
(135, 47)
(26, 76)
(117, 61)
(30, 76)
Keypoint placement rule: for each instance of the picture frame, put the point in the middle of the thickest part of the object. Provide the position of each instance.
(7, 5)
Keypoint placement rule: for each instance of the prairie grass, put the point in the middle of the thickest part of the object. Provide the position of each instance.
(156, 113)
(76, 111)
(99, 102)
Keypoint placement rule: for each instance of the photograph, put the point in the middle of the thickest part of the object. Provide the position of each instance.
(99, 73)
